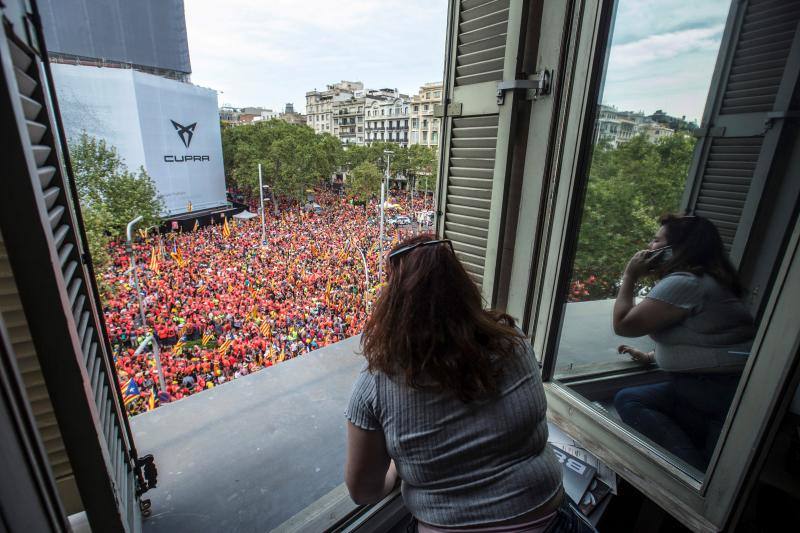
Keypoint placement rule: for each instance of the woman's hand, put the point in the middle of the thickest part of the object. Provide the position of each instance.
(637, 266)
(637, 355)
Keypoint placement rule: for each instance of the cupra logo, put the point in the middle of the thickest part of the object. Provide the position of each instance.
(184, 132)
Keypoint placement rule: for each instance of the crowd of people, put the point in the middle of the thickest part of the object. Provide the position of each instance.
(222, 303)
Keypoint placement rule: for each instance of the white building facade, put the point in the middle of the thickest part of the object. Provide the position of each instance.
(618, 127)
(387, 117)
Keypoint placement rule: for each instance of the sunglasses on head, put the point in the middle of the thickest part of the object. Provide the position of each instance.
(406, 249)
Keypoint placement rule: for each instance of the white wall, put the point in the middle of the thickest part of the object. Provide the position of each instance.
(133, 111)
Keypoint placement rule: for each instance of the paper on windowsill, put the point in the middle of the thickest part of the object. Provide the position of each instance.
(561, 440)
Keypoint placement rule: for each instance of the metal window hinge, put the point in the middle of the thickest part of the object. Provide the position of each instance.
(537, 85)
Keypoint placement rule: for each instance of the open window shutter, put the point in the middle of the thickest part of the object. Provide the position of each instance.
(749, 101)
(483, 44)
(73, 381)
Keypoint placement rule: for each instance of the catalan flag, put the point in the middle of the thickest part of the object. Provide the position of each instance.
(208, 337)
(178, 348)
(143, 234)
(196, 225)
(151, 402)
(282, 356)
(226, 229)
(264, 328)
(130, 391)
(224, 347)
(154, 260)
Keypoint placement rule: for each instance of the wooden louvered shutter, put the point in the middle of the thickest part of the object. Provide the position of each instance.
(72, 382)
(483, 49)
(749, 101)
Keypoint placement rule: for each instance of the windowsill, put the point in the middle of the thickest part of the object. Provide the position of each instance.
(252, 453)
(645, 467)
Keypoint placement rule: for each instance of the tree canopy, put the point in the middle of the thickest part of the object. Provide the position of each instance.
(365, 181)
(110, 195)
(629, 188)
(416, 162)
(293, 157)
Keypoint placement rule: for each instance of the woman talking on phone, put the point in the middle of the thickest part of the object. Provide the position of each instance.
(452, 404)
(702, 332)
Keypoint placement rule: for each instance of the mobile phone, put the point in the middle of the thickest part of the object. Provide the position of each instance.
(659, 256)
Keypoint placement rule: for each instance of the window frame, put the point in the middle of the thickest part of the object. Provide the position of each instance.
(543, 258)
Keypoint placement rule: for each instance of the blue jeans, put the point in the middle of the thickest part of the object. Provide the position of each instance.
(684, 415)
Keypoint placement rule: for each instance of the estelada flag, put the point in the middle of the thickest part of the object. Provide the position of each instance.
(178, 349)
(208, 337)
(226, 229)
(154, 260)
(130, 391)
(224, 347)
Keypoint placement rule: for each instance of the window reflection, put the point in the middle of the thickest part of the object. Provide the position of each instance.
(684, 336)
(703, 334)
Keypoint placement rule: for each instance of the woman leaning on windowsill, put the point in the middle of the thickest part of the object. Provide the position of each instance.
(451, 403)
(702, 330)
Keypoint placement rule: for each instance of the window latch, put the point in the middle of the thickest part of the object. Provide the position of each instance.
(537, 85)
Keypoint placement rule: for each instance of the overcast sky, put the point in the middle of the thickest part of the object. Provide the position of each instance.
(663, 54)
(267, 53)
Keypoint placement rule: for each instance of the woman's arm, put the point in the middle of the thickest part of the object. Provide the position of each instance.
(369, 473)
(649, 316)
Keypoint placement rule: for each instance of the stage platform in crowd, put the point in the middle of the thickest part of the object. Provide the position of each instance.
(186, 221)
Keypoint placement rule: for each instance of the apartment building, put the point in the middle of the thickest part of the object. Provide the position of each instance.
(348, 120)
(617, 127)
(319, 104)
(425, 128)
(386, 117)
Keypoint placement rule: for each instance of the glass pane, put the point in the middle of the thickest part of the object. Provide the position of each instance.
(674, 381)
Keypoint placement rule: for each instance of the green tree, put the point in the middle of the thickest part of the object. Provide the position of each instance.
(293, 157)
(109, 194)
(629, 188)
(364, 181)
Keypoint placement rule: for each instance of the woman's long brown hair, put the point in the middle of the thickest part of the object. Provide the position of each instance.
(429, 326)
(697, 248)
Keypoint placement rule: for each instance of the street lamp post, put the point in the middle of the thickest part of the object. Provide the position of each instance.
(156, 354)
(384, 192)
(261, 197)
